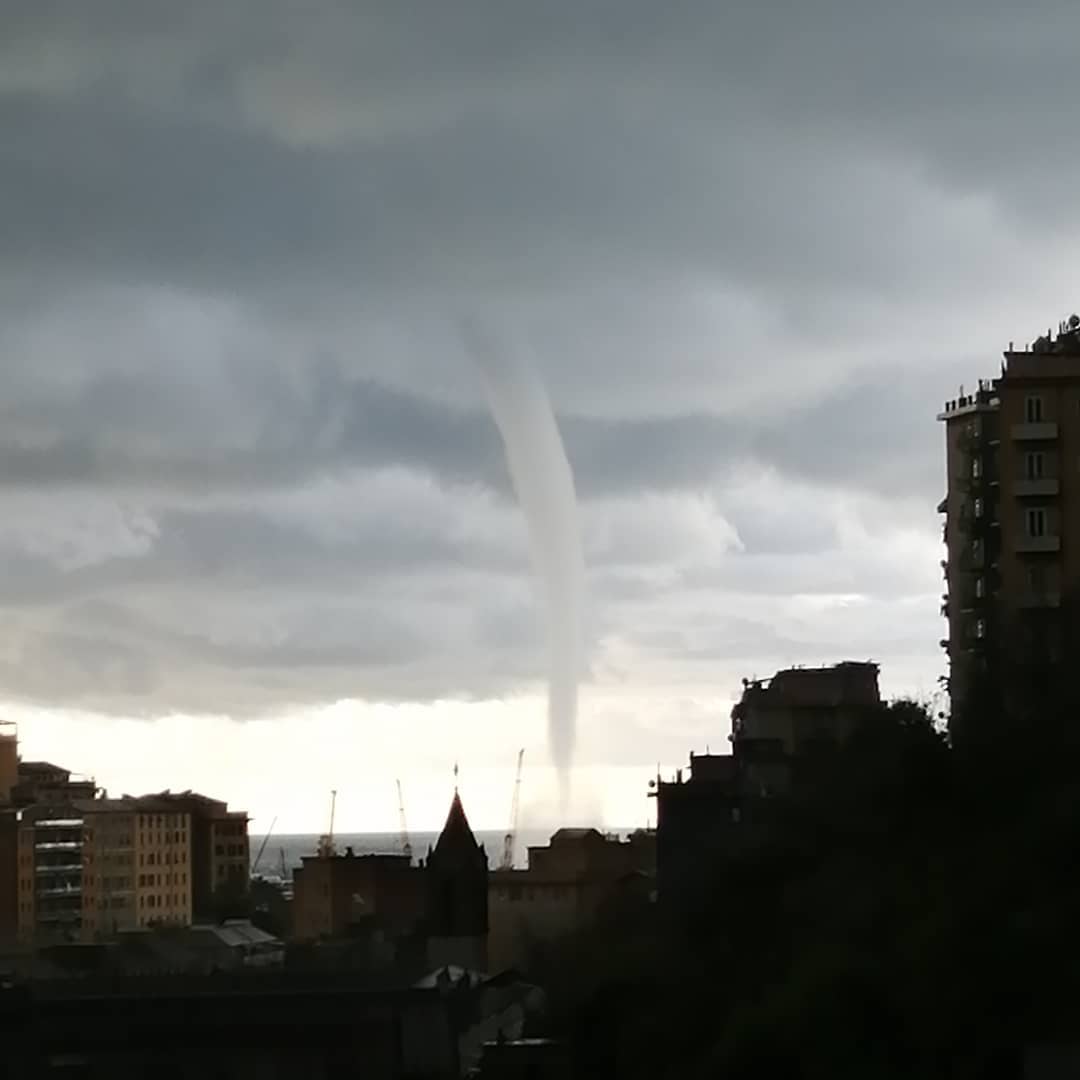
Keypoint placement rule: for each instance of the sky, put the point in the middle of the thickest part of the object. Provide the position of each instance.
(257, 534)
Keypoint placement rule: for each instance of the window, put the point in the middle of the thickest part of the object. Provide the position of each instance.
(1036, 578)
(1033, 465)
(976, 550)
(1036, 521)
(1033, 409)
(976, 467)
(980, 628)
(979, 508)
(980, 587)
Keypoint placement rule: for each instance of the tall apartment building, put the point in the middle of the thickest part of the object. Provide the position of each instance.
(220, 850)
(1012, 509)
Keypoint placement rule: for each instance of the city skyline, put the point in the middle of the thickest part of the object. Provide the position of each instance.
(258, 537)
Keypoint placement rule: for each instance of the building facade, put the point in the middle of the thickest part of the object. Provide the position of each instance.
(338, 895)
(1012, 509)
(50, 873)
(220, 851)
(110, 897)
(137, 865)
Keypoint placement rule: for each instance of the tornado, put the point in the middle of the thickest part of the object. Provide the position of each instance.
(544, 484)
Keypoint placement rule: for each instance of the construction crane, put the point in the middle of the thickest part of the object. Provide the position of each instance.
(511, 835)
(406, 843)
(262, 848)
(326, 841)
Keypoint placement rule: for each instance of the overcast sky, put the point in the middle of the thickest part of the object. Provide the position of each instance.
(256, 531)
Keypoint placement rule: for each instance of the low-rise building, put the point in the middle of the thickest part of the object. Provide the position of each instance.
(337, 895)
(567, 882)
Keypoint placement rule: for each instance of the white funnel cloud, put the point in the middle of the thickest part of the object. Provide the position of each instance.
(544, 482)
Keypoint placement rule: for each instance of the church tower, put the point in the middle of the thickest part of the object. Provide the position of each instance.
(457, 896)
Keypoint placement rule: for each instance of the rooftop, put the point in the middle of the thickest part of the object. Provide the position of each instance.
(125, 804)
(42, 767)
(1065, 343)
(571, 835)
(849, 682)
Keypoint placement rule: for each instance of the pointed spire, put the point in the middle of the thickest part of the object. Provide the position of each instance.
(456, 833)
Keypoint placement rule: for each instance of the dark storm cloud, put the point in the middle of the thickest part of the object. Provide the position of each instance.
(747, 240)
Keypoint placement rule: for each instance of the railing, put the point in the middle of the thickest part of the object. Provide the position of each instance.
(66, 890)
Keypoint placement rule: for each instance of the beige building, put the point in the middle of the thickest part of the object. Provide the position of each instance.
(1012, 507)
(137, 865)
(220, 851)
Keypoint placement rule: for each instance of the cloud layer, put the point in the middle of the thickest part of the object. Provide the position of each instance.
(243, 462)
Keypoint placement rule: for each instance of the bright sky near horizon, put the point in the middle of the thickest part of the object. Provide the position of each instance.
(257, 535)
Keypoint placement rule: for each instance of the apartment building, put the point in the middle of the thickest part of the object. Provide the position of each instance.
(137, 865)
(49, 873)
(220, 850)
(1012, 508)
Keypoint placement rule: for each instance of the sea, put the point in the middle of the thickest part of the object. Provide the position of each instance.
(284, 850)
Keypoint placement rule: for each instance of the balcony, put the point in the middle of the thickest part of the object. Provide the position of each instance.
(59, 891)
(1034, 545)
(1045, 429)
(1046, 485)
(1046, 598)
